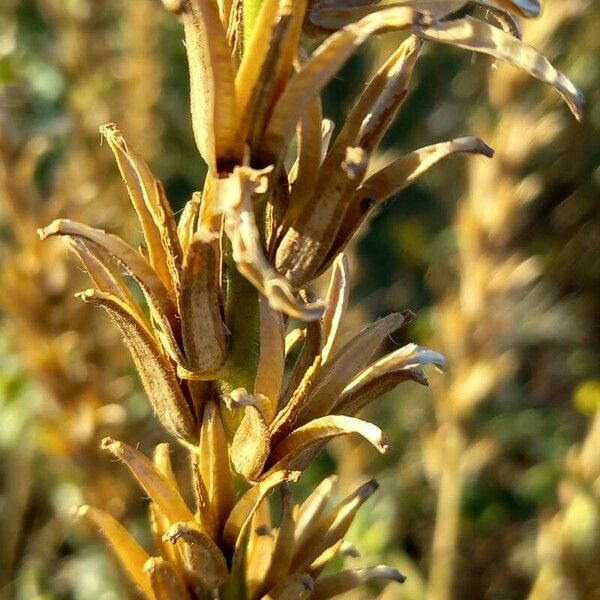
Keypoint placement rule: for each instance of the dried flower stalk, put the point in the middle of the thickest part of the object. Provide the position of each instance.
(226, 278)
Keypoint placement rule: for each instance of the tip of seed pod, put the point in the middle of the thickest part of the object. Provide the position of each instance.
(307, 582)
(408, 316)
(390, 573)
(79, 511)
(109, 443)
(366, 490)
(53, 228)
(152, 563)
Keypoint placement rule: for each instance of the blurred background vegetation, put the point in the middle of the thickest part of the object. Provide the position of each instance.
(495, 469)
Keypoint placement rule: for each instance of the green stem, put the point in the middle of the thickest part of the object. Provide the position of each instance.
(243, 320)
(251, 9)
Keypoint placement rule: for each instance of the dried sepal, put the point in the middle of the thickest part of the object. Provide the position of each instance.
(337, 297)
(392, 179)
(345, 581)
(471, 34)
(130, 554)
(332, 527)
(283, 547)
(162, 307)
(295, 587)
(350, 359)
(383, 375)
(323, 64)
(164, 580)
(313, 508)
(246, 506)
(291, 452)
(286, 418)
(202, 561)
(159, 525)
(202, 328)
(98, 266)
(271, 357)
(160, 490)
(212, 91)
(155, 371)
(266, 65)
(188, 221)
(250, 446)
(234, 196)
(152, 208)
(310, 350)
(161, 458)
(305, 170)
(259, 549)
(213, 464)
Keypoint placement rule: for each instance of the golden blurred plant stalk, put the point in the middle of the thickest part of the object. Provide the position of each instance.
(476, 320)
(225, 280)
(82, 376)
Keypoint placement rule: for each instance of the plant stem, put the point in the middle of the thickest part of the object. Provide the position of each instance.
(448, 511)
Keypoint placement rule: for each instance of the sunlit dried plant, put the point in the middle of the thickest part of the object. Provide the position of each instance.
(221, 284)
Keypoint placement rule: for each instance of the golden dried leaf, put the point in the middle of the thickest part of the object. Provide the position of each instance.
(345, 581)
(164, 580)
(155, 371)
(478, 36)
(259, 549)
(383, 375)
(202, 561)
(250, 446)
(292, 450)
(160, 490)
(130, 554)
(267, 63)
(98, 265)
(202, 327)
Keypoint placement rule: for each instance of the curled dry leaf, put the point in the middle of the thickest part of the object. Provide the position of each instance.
(477, 36)
(394, 178)
(342, 368)
(213, 464)
(290, 452)
(345, 581)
